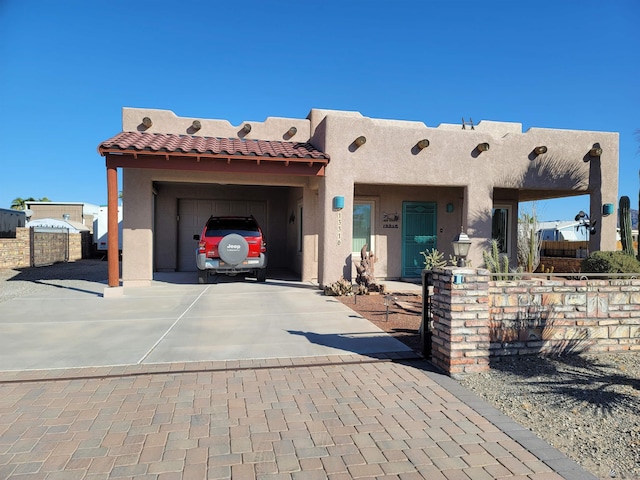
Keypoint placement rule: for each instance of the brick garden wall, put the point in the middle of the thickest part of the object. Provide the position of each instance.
(16, 252)
(564, 316)
(479, 319)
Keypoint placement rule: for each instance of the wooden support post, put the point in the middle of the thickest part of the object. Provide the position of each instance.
(113, 253)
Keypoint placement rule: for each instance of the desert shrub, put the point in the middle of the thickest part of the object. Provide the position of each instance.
(498, 263)
(433, 259)
(610, 262)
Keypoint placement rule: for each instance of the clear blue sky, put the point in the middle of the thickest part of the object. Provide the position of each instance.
(68, 67)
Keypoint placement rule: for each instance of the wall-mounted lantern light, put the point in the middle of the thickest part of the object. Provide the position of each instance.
(146, 121)
(292, 131)
(461, 245)
(361, 140)
(196, 125)
(540, 150)
(483, 147)
(595, 152)
(607, 209)
(246, 128)
(338, 203)
(422, 144)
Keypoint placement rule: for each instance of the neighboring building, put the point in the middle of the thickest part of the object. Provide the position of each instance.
(558, 231)
(324, 185)
(83, 213)
(9, 221)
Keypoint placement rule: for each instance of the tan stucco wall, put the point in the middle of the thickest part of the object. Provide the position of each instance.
(390, 167)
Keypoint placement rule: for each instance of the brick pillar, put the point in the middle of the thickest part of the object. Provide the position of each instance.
(460, 337)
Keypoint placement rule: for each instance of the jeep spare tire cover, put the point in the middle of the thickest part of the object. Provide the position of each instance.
(233, 249)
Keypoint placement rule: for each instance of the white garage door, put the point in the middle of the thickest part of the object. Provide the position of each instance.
(192, 215)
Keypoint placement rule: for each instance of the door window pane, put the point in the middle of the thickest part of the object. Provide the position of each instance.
(361, 226)
(500, 228)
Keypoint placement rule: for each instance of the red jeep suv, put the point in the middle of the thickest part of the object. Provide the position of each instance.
(231, 245)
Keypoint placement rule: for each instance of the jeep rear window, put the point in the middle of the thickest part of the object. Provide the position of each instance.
(219, 227)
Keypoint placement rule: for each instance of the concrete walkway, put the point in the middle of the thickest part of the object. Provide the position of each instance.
(141, 387)
(69, 324)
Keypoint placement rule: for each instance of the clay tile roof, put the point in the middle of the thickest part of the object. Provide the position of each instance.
(168, 143)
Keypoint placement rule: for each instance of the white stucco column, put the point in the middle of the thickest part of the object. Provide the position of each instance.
(137, 232)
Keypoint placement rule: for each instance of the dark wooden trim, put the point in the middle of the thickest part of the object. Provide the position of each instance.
(231, 164)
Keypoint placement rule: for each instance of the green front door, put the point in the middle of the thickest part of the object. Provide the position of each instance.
(418, 235)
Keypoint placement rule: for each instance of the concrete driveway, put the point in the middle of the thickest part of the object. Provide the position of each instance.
(70, 324)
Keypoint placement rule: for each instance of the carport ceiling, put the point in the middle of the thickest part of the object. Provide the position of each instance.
(211, 154)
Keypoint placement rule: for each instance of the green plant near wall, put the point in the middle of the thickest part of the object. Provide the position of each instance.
(624, 216)
(498, 263)
(433, 259)
(529, 241)
(610, 262)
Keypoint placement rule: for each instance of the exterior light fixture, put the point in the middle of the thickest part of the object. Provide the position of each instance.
(292, 131)
(607, 209)
(540, 150)
(361, 140)
(483, 147)
(595, 152)
(246, 128)
(422, 144)
(146, 121)
(461, 245)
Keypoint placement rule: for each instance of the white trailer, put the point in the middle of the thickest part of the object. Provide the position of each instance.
(100, 227)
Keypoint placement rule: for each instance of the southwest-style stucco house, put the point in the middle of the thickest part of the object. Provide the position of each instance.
(324, 185)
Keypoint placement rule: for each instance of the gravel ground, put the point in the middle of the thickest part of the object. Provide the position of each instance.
(586, 406)
(25, 281)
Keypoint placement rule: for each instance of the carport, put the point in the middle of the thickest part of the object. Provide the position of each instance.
(152, 159)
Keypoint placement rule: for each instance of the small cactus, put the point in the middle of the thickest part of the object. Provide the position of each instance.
(433, 259)
(496, 262)
(544, 269)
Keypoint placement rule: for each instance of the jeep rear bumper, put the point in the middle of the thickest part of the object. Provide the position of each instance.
(215, 264)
